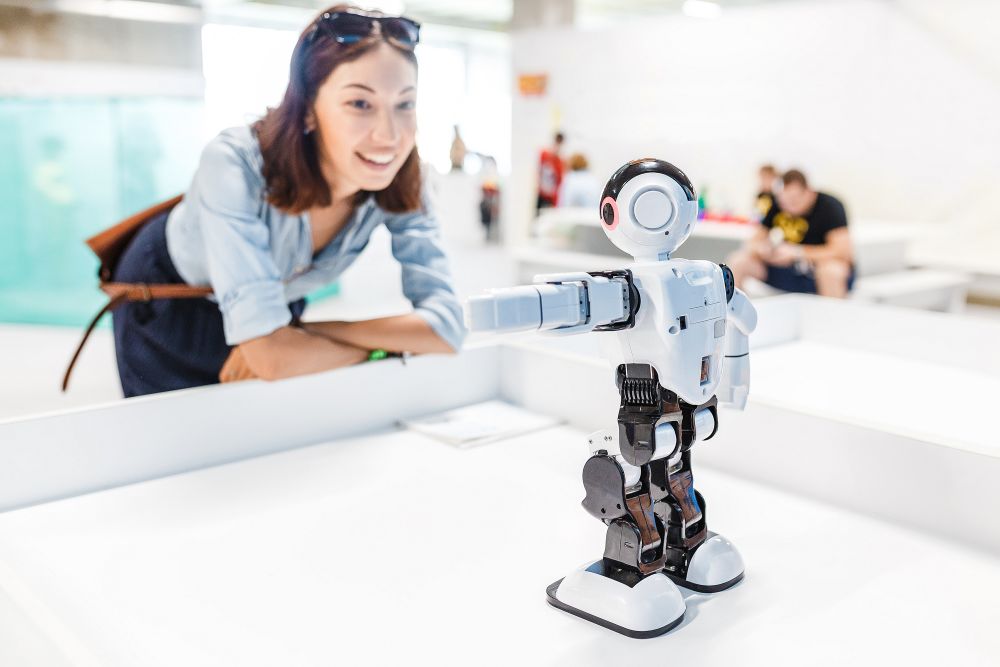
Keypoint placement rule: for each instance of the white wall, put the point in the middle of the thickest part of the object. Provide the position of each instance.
(893, 106)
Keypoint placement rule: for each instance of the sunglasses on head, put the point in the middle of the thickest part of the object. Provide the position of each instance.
(351, 27)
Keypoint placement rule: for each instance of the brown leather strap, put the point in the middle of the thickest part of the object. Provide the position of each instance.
(147, 292)
(122, 292)
(110, 243)
(113, 303)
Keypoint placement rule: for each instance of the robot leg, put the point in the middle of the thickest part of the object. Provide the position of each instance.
(635, 534)
(626, 590)
(696, 557)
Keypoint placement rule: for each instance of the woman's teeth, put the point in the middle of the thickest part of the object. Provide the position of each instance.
(377, 158)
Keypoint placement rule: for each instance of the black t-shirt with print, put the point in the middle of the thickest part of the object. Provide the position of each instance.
(765, 200)
(810, 229)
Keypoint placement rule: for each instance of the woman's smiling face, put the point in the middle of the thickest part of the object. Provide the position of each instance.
(364, 120)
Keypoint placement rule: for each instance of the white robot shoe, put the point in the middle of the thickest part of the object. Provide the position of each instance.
(651, 606)
(715, 566)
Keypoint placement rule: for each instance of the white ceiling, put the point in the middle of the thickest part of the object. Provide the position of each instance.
(486, 14)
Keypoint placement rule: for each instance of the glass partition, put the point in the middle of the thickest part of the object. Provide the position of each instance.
(72, 167)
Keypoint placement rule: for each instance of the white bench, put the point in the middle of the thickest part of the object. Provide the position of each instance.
(928, 289)
(916, 288)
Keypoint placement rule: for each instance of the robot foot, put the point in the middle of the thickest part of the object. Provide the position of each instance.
(715, 566)
(650, 606)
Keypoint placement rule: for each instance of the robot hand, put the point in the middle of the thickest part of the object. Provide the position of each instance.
(562, 303)
(741, 320)
(734, 386)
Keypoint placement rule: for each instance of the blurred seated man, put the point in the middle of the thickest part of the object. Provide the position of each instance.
(802, 244)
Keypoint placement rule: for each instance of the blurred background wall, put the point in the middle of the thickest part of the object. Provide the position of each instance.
(892, 105)
(105, 106)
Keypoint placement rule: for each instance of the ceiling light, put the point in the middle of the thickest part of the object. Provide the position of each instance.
(701, 9)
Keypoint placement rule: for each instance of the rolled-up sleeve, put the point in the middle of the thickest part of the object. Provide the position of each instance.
(241, 267)
(416, 244)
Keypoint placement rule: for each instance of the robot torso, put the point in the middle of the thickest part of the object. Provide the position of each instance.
(680, 327)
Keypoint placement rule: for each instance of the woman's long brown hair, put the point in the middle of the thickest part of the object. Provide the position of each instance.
(291, 171)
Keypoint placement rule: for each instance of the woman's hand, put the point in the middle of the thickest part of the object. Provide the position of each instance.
(398, 333)
(236, 368)
(289, 352)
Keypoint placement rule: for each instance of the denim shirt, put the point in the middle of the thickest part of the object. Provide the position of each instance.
(258, 258)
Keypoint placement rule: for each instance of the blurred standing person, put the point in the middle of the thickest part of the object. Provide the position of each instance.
(767, 176)
(579, 187)
(550, 173)
(458, 152)
(489, 204)
(812, 252)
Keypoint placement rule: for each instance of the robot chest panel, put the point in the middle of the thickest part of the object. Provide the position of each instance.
(681, 325)
(684, 298)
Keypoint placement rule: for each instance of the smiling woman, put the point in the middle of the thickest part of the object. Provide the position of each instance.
(282, 207)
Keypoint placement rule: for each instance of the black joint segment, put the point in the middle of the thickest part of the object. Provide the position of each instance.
(637, 391)
(628, 576)
(622, 544)
(638, 385)
(637, 437)
(604, 483)
(633, 299)
(659, 482)
(729, 280)
(715, 416)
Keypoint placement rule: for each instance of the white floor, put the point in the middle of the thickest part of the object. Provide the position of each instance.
(32, 362)
(986, 312)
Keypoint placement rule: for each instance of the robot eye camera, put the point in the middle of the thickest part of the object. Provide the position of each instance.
(648, 208)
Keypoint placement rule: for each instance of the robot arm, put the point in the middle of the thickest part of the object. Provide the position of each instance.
(561, 303)
(741, 320)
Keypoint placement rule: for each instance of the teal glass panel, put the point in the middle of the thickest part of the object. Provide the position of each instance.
(70, 168)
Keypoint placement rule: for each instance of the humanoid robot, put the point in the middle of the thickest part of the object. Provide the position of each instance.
(677, 341)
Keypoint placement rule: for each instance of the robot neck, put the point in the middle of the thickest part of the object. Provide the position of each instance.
(648, 258)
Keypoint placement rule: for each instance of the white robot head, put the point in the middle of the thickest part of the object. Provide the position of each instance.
(649, 208)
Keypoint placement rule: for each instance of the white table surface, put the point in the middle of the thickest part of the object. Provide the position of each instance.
(396, 549)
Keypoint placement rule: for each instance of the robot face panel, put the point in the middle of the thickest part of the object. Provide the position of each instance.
(648, 208)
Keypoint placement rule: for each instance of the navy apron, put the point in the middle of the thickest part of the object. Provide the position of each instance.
(166, 344)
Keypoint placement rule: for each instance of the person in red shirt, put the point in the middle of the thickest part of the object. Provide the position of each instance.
(550, 174)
